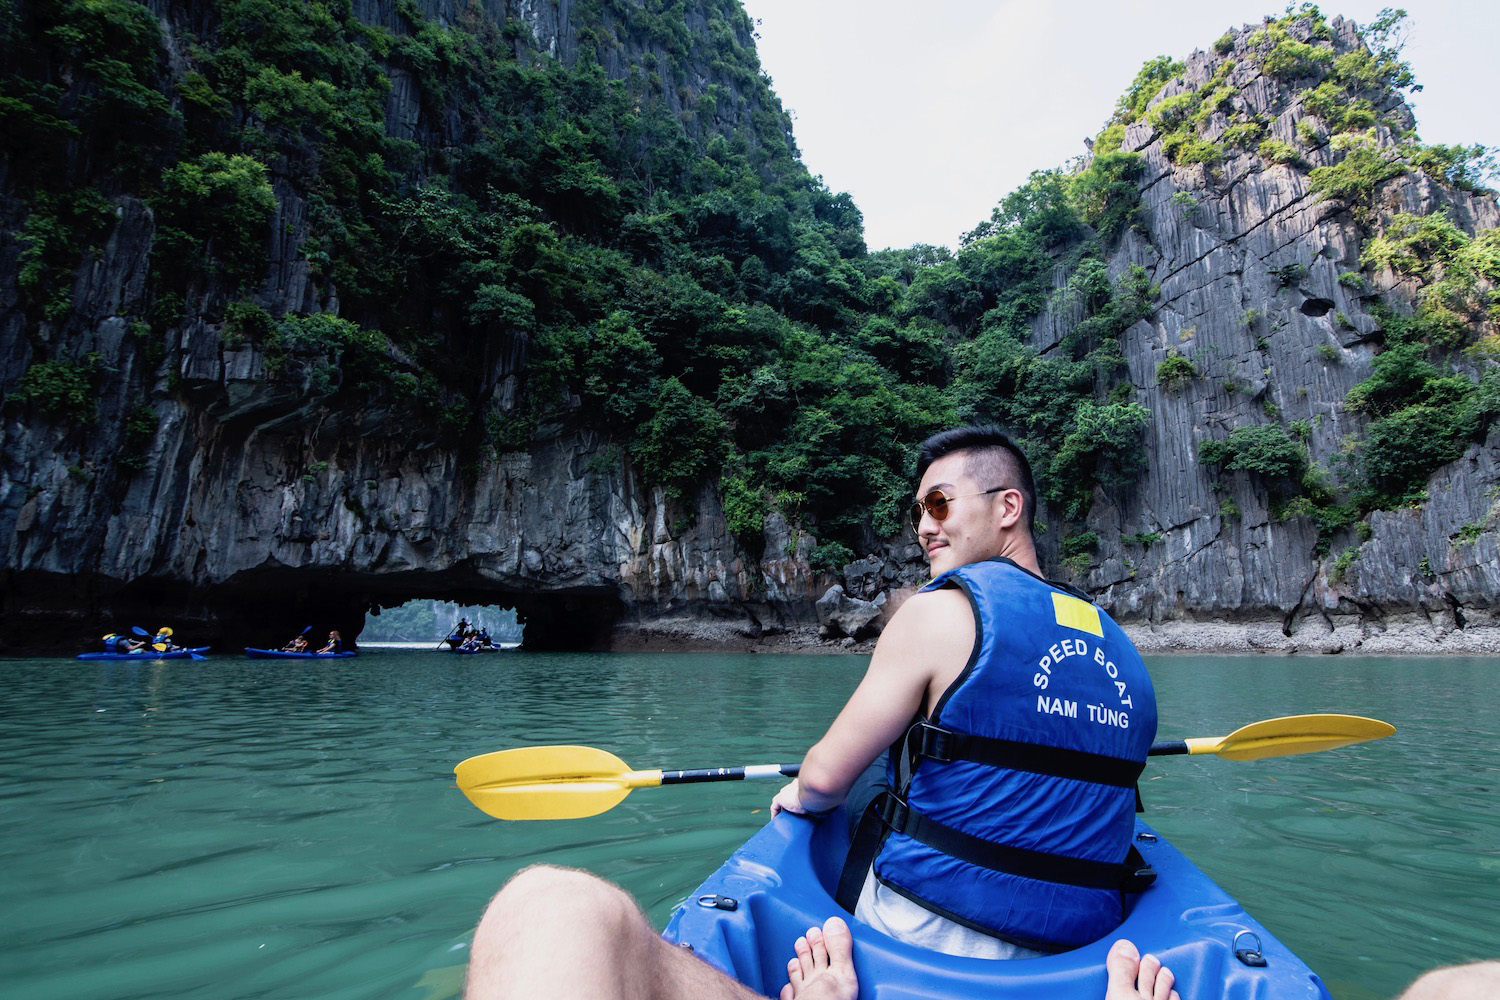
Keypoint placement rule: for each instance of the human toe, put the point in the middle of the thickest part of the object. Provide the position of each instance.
(838, 939)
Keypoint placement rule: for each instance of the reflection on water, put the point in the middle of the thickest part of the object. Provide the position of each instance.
(248, 828)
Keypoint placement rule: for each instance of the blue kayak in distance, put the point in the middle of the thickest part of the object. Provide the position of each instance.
(782, 880)
(147, 656)
(278, 654)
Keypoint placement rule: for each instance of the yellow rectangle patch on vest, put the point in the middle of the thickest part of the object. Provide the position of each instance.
(1073, 613)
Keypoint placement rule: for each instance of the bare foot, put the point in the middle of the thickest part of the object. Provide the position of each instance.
(1132, 977)
(824, 966)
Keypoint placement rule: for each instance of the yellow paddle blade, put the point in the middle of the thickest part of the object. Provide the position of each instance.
(164, 630)
(1292, 735)
(551, 782)
(160, 647)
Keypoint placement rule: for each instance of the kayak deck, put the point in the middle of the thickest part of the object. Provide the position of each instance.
(282, 654)
(147, 655)
(781, 881)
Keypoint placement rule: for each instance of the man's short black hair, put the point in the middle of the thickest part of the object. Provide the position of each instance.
(992, 456)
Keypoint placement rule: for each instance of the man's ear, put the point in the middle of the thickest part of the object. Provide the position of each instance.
(1011, 508)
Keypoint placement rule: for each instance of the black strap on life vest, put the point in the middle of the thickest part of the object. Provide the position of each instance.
(889, 813)
(943, 745)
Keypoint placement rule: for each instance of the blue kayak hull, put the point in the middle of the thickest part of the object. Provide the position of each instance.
(278, 654)
(148, 656)
(782, 880)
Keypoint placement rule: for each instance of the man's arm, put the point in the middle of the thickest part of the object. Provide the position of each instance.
(923, 649)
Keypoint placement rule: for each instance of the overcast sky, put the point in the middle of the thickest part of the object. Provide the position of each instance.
(928, 113)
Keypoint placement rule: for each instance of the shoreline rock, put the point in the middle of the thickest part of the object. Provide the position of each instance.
(1409, 635)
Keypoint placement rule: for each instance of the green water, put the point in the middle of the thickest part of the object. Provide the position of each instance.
(242, 828)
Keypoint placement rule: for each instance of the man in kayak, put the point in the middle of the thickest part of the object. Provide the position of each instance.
(1018, 716)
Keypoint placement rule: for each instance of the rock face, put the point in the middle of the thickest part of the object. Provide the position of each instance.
(1294, 348)
(843, 617)
(257, 511)
(253, 507)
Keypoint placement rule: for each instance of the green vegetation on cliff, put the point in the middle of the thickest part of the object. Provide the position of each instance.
(648, 257)
(493, 237)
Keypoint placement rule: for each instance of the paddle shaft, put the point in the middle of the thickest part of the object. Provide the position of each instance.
(749, 772)
(1162, 748)
(573, 782)
(1200, 744)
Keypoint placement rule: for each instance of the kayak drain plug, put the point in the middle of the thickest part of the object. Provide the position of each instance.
(1249, 956)
(713, 901)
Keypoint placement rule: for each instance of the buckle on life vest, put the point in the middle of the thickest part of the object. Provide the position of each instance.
(927, 740)
(1139, 880)
(893, 811)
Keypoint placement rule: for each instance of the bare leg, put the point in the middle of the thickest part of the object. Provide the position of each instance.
(560, 932)
(563, 933)
(1478, 981)
(1132, 977)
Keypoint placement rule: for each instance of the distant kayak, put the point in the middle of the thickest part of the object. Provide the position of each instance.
(147, 655)
(744, 919)
(278, 654)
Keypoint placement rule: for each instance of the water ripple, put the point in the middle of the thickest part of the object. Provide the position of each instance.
(238, 829)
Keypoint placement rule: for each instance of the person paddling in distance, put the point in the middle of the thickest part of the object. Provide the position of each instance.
(335, 642)
(116, 643)
(1018, 717)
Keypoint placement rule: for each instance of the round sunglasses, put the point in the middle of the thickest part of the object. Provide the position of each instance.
(936, 503)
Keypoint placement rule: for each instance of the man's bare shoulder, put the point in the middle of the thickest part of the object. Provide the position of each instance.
(932, 618)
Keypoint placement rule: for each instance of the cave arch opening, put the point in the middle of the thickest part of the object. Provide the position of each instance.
(431, 620)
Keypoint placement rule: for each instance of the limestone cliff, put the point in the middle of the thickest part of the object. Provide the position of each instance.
(251, 503)
(1249, 261)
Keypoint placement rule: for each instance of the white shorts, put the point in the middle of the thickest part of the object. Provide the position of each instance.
(889, 912)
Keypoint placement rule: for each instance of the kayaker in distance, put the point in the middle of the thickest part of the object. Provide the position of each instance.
(335, 643)
(297, 645)
(1018, 716)
(116, 643)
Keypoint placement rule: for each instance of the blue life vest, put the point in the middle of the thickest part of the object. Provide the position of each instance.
(1017, 812)
(113, 643)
